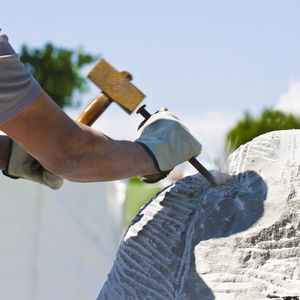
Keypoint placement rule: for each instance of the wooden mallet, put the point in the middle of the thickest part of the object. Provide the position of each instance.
(115, 86)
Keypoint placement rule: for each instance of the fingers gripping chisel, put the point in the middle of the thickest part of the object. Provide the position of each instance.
(193, 161)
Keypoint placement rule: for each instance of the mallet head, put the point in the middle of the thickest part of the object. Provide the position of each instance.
(116, 85)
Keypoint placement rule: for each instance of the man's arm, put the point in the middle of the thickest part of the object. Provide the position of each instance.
(72, 150)
(35, 122)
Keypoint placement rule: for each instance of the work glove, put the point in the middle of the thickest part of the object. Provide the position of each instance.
(22, 165)
(168, 142)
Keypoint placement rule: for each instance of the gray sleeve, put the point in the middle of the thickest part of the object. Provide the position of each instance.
(18, 89)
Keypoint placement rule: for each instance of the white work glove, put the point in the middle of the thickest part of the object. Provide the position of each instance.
(23, 165)
(168, 142)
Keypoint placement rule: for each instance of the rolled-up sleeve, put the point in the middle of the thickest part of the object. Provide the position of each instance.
(18, 89)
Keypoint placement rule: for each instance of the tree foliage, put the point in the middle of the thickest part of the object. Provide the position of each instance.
(249, 127)
(57, 71)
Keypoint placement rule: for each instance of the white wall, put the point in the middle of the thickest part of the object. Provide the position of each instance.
(58, 244)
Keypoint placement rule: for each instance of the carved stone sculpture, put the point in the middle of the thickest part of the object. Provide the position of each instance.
(238, 240)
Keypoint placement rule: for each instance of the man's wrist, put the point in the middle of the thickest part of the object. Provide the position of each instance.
(147, 160)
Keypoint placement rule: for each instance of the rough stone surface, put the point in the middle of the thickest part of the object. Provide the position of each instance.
(239, 240)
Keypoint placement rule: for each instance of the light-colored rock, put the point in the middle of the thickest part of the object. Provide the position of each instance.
(239, 240)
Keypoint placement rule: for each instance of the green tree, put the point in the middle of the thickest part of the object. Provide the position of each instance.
(249, 127)
(57, 71)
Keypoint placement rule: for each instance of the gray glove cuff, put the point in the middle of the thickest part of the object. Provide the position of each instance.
(151, 155)
(153, 177)
(5, 172)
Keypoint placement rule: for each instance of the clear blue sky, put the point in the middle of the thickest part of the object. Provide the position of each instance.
(194, 57)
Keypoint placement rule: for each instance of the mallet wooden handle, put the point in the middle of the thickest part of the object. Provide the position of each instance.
(94, 109)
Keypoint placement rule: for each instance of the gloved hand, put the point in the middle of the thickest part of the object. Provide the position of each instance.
(168, 142)
(23, 165)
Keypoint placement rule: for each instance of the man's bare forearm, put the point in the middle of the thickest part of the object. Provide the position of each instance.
(72, 150)
(108, 160)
